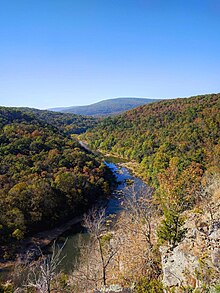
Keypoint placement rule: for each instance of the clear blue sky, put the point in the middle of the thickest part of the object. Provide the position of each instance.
(76, 52)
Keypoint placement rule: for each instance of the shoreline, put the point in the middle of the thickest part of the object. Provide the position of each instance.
(131, 165)
(31, 245)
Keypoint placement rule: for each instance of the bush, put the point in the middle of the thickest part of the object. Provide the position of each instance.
(6, 288)
(146, 286)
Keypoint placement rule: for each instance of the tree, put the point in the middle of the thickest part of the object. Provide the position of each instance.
(171, 229)
(97, 254)
(178, 191)
(42, 273)
(138, 255)
(139, 209)
(107, 248)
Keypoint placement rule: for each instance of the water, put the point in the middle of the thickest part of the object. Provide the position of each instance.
(77, 237)
(126, 181)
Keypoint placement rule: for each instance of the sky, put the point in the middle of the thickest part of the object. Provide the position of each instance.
(76, 52)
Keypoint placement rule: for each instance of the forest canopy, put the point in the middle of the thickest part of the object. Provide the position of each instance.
(67, 122)
(45, 176)
(183, 130)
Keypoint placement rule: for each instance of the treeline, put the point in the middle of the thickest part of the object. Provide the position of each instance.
(68, 123)
(45, 176)
(181, 131)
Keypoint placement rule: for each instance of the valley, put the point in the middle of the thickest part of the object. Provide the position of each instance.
(109, 146)
(154, 237)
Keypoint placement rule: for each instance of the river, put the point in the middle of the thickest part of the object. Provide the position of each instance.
(75, 236)
(114, 206)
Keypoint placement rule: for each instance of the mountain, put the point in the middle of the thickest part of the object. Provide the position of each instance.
(185, 130)
(106, 107)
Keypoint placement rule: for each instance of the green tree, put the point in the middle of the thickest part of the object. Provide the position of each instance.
(171, 228)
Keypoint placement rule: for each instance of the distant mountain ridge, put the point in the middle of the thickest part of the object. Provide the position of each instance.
(106, 107)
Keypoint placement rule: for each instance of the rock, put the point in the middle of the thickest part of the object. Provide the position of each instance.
(114, 289)
(201, 245)
(215, 255)
(176, 264)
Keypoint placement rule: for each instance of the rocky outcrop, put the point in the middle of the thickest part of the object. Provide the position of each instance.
(174, 264)
(195, 260)
(114, 289)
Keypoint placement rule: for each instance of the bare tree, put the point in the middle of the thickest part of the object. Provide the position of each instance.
(107, 246)
(140, 209)
(136, 225)
(42, 272)
(97, 254)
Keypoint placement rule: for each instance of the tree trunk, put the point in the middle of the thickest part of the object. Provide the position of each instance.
(103, 263)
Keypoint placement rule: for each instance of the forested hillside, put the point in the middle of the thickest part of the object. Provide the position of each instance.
(175, 146)
(164, 238)
(107, 107)
(68, 123)
(183, 132)
(45, 176)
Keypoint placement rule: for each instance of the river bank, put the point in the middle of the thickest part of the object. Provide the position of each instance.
(127, 183)
(131, 165)
(76, 239)
(29, 248)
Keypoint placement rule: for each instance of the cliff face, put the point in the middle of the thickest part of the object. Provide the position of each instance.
(195, 261)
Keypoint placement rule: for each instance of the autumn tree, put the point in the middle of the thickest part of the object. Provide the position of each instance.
(138, 256)
(177, 192)
(98, 253)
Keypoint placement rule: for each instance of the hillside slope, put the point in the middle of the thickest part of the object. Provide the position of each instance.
(175, 146)
(68, 123)
(45, 177)
(107, 107)
(152, 135)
